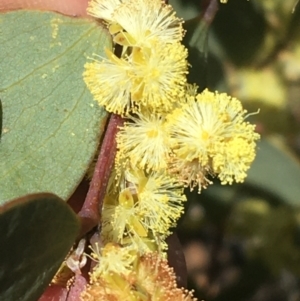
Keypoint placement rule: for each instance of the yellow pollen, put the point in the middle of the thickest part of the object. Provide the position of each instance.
(155, 73)
(205, 135)
(152, 133)
(225, 117)
(147, 32)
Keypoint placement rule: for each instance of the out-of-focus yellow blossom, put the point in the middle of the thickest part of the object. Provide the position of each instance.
(143, 141)
(204, 136)
(144, 21)
(154, 78)
(151, 279)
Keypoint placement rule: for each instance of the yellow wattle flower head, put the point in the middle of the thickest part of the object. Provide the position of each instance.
(143, 141)
(151, 279)
(110, 287)
(190, 173)
(144, 211)
(143, 21)
(157, 278)
(206, 134)
(102, 9)
(160, 75)
(119, 218)
(110, 82)
(113, 258)
(120, 224)
(237, 155)
(160, 200)
(154, 78)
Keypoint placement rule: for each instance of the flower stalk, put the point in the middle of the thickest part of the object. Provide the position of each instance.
(90, 213)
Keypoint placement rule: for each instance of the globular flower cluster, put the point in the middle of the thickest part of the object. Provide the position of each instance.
(132, 278)
(209, 135)
(152, 70)
(173, 137)
(145, 208)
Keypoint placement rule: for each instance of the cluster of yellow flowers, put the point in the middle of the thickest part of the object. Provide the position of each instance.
(123, 274)
(173, 137)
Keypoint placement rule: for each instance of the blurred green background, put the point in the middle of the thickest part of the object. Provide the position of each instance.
(242, 242)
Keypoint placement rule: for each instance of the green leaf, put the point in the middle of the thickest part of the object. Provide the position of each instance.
(1, 116)
(196, 40)
(276, 172)
(36, 233)
(51, 124)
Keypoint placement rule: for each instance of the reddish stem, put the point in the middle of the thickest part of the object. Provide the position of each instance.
(92, 206)
(77, 288)
(210, 9)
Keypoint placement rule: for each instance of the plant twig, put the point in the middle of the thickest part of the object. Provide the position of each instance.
(90, 213)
